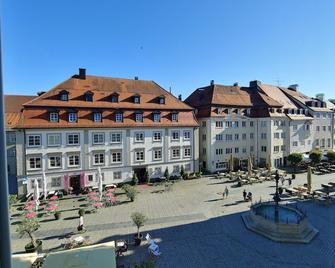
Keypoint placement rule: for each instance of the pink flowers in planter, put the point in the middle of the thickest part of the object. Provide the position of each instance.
(54, 197)
(97, 205)
(30, 215)
(109, 194)
(31, 205)
(94, 198)
(52, 208)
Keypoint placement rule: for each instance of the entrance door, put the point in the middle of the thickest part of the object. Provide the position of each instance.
(140, 173)
(75, 183)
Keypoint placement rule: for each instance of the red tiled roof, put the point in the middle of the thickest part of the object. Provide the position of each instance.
(36, 112)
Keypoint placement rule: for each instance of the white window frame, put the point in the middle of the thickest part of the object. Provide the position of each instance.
(174, 154)
(34, 136)
(119, 117)
(173, 138)
(54, 117)
(55, 161)
(49, 135)
(157, 117)
(140, 152)
(73, 117)
(138, 117)
(116, 137)
(99, 134)
(187, 135)
(56, 182)
(97, 117)
(174, 117)
(74, 156)
(101, 161)
(118, 156)
(139, 137)
(159, 152)
(68, 135)
(187, 152)
(157, 137)
(35, 157)
(117, 175)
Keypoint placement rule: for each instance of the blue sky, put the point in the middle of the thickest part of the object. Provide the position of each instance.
(179, 44)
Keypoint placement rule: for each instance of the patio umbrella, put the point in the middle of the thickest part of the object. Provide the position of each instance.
(309, 178)
(44, 181)
(100, 182)
(249, 166)
(36, 193)
(231, 163)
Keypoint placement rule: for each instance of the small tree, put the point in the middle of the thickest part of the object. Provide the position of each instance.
(130, 193)
(139, 219)
(315, 156)
(331, 155)
(182, 171)
(134, 179)
(295, 159)
(166, 174)
(12, 198)
(28, 227)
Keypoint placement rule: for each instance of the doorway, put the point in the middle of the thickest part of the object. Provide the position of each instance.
(140, 173)
(75, 183)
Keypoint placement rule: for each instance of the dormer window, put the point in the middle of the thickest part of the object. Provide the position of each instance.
(156, 116)
(97, 117)
(136, 98)
(89, 96)
(53, 117)
(138, 116)
(64, 95)
(115, 98)
(73, 117)
(248, 111)
(161, 99)
(174, 117)
(119, 117)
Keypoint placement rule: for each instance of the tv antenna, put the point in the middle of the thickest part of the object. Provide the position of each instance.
(279, 82)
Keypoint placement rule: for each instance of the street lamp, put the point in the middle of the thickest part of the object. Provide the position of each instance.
(276, 197)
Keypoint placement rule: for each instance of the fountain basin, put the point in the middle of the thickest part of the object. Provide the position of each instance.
(292, 225)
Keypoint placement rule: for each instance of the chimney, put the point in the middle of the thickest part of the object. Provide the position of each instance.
(212, 82)
(235, 84)
(293, 87)
(39, 93)
(136, 78)
(320, 96)
(179, 97)
(254, 83)
(82, 73)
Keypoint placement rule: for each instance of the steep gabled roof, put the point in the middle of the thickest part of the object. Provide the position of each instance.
(277, 94)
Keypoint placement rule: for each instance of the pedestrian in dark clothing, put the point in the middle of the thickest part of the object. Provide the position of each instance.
(226, 191)
(244, 194)
(250, 196)
(289, 181)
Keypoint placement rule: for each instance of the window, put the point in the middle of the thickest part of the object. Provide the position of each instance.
(72, 117)
(295, 143)
(11, 152)
(137, 99)
(175, 135)
(157, 117)
(276, 135)
(263, 136)
(235, 124)
(161, 100)
(187, 152)
(219, 151)
(56, 182)
(34, 140)
(11, 137)
(203, 123)
(89, 96)
(251, 136)
(157, 153)
(98, 138)
(236, 137)
(302, 143)
(116, 137)
(229, 150)
(115, 98)
(228, 124)
(72, 139)
(323, 143)
(174, 117)
(54, 140)
(329, 128)
(251, 148)
(116, 157)
(329, 115)
(237, 150)
(244, 136)
(244, 124)
(328, 142)
(229, 137)
(118, 117)
(317, 128)
(324, 128)
(219, 124)
(283, 148)
(90, 177)
(219, 137)
(139, 155)
(157, 136)
(187, 135)
(295, 127)
(263, 148)
(55, 161)
(73, 160)
(175, 153)
(176, 169)
(221, 165)
(64, 96)
(139, 136)
(98, 158)
(35, 162)
(244, 150)
(203, 150)
(276, 149)
(203, 137)
(307, 127)
(263, 123)
(138, 117)
(97, 117)
(283, 135)
(53, 117)
(317, 142)
(158, 171)
(276, 123)
(251, 123)
(117, 175)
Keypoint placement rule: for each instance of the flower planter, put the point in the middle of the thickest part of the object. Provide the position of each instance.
(30, 249)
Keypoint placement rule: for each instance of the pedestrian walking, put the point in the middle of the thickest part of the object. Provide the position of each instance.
(289, 181)
(282, 180)
(226, 191)
(223, 195)
(244, 194)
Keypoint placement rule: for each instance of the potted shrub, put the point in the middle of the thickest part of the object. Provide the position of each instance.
(134, 179)
(57, 215)
(81, 212)
(166, 174)
(27, 227)
(147, 177)
(138, 219)
(182, 171)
